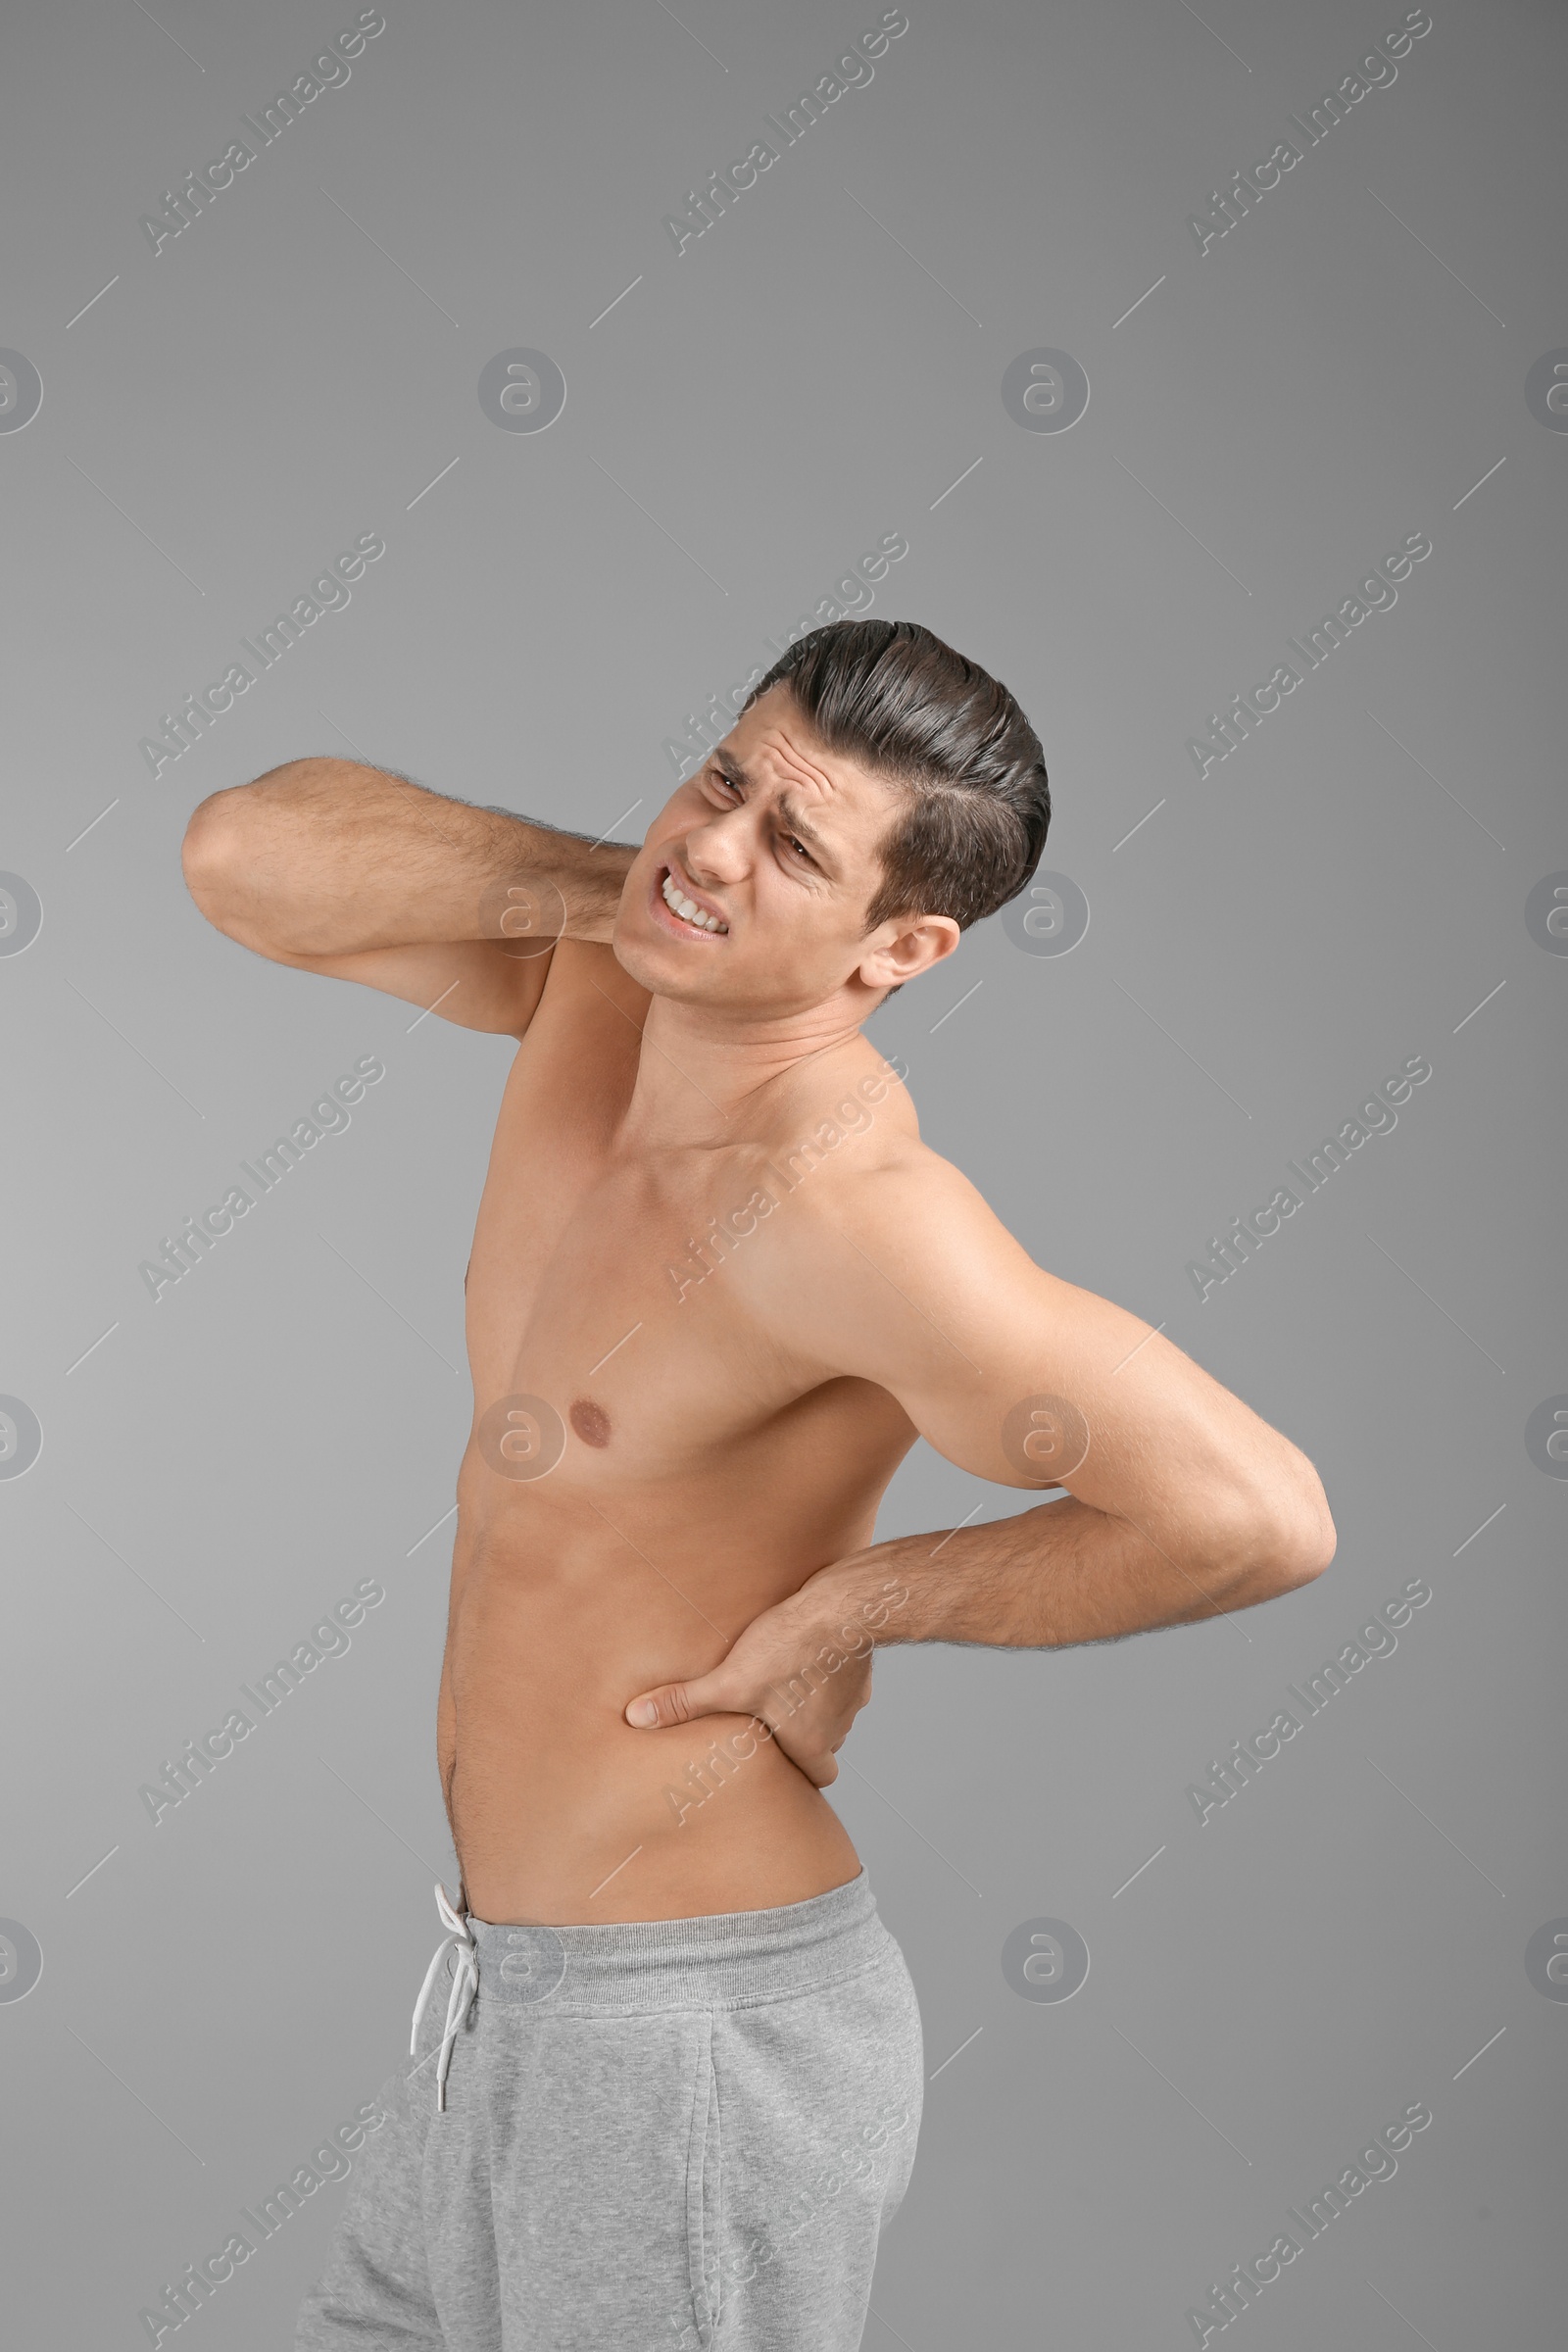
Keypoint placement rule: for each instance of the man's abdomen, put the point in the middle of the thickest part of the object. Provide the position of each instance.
(564, 1813)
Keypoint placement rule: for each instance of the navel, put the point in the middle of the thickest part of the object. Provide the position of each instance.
(590, 1421)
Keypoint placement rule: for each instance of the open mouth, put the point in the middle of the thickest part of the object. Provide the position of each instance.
(686, 913)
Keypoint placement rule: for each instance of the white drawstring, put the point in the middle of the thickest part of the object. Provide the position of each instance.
(464, 1985)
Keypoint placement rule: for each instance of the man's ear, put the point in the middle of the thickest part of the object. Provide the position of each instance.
(909, 945)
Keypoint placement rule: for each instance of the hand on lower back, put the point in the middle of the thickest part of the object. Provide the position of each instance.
(807, 1688)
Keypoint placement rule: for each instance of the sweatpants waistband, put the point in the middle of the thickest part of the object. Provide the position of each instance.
(725, 1959)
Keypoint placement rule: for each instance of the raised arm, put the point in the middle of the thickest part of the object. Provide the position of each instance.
(337, 868)
(1179, 1501)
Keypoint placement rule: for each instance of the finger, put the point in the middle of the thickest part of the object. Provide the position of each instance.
(679, 1702)
(813, 1761)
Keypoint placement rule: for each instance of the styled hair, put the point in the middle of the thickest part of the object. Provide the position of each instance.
(894, 697)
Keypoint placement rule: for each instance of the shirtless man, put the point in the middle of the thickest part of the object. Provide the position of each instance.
(668, 2093)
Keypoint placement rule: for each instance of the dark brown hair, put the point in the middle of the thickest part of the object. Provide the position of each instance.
(890, 695)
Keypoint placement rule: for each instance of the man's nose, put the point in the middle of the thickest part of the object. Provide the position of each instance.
(717, 851)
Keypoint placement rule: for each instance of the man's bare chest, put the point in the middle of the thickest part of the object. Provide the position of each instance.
(643, 1296)
(608, 1286)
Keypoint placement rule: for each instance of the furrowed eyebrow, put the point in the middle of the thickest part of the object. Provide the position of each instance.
(797, 824)
(735, 772)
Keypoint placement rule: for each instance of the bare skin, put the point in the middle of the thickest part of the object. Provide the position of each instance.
(718, 1286)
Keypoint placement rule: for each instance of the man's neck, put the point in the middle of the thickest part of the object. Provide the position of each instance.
(707, 1075)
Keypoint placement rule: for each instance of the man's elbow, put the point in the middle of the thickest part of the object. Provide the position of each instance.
(1260, 1545)
(233, 853)
(1297, 1538)
(207, 853)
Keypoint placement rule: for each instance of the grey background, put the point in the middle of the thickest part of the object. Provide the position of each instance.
(221, 1990)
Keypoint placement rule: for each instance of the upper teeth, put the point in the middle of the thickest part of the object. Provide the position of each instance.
(688, 908)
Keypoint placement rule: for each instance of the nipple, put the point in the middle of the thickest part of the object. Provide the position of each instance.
(590, 1421)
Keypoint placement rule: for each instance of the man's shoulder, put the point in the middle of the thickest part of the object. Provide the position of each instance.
(865, 1225)
(855, 1160)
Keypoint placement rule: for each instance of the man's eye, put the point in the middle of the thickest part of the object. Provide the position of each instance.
(799, 845)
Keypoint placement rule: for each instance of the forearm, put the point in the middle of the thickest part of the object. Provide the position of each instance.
(329, 857)
(1060, 1574)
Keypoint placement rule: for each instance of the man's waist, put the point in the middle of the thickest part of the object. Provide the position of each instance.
(710, 1959)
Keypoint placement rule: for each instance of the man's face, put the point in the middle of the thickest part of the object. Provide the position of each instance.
(772, 851)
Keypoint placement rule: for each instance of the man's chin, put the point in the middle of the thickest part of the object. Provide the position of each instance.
(663, 965)
(703, 972)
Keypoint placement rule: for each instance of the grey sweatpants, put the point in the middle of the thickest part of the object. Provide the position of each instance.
(658, 2136)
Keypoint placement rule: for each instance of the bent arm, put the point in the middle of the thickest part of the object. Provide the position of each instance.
(334, 866)
(1179, 1501)
(1066, 1573)
(1046, 1579)
(330, 857)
